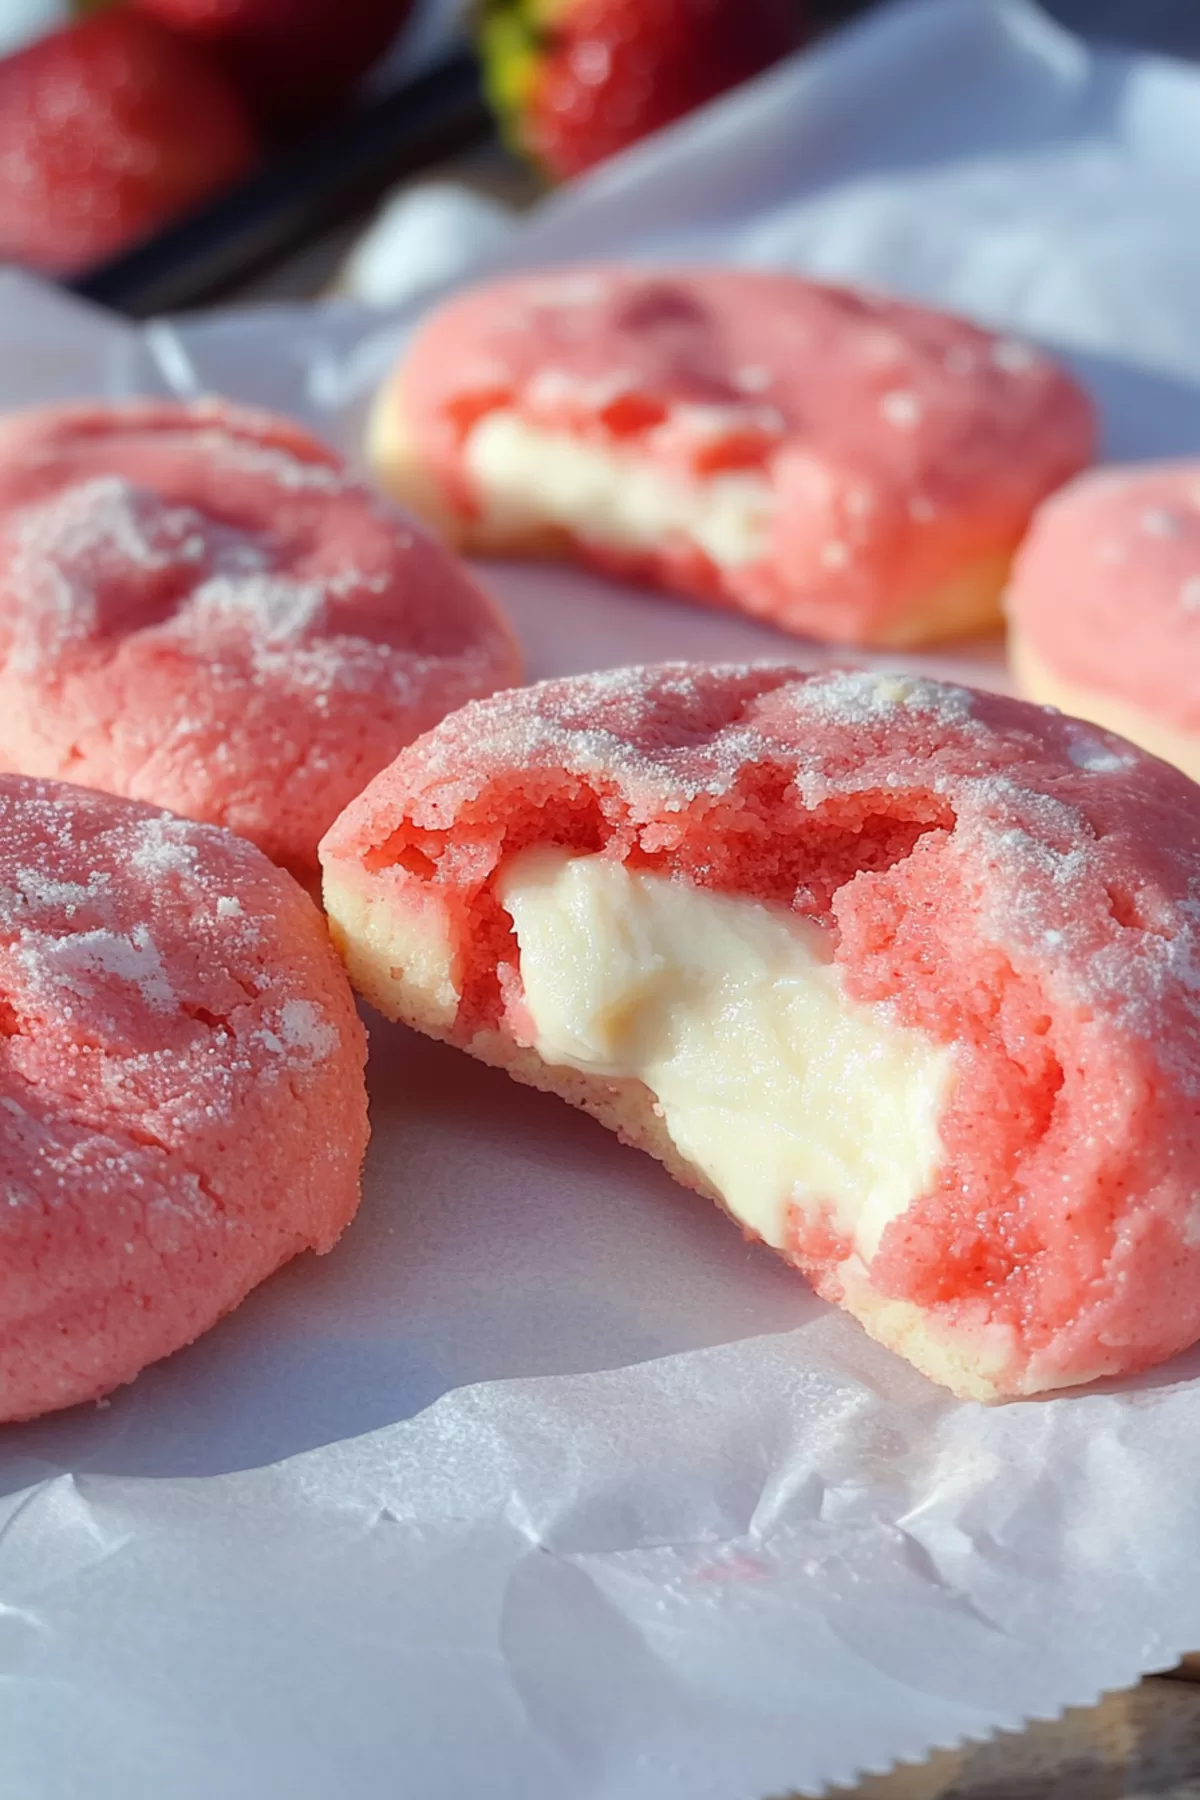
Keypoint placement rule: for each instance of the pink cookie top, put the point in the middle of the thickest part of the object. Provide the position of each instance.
(182, 1104)
(200, 607)
(1013, 882)
(900, 441)
(1106, 588)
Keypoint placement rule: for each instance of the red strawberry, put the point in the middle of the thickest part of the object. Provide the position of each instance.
(576, 80)
(293, 59)
(108, 129)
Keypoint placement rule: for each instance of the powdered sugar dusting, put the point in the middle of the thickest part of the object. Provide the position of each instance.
(85, 962)
(164, 846)
(1088, 750)
(104, 557)
(109, 516)
(275, 608)
(861, 696)
(303, 1026)
(301, 1032)
(593, 723)
(902, 408)
(44, 892)
(288, 471)
(67, 550)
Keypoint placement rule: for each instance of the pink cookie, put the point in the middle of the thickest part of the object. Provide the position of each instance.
(1104, 606)
(182, 1105)
(841, 465)
(902, 975)
(199, 607)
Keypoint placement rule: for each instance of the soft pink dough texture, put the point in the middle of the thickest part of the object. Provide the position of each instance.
(182, 1100)
(904, 445)
(200, 607)
(1106, 588)
(1014, 883)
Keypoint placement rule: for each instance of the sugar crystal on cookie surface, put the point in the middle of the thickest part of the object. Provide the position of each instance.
(902, 408)
(84, 961)
(300, 1031)
(165, 846)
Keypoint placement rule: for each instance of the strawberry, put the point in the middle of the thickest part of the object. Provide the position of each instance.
(573, 81)
(292, 59)
(108, 129)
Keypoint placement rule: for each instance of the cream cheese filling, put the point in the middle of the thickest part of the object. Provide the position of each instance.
(528, 477)
(782, 1089)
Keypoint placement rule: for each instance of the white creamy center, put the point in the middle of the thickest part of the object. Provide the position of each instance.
(772, 1081)
(528, 476)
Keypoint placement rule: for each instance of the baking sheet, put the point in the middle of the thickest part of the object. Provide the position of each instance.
(544, 1485)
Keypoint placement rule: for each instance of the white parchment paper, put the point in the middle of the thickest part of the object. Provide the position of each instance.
(544, 1485)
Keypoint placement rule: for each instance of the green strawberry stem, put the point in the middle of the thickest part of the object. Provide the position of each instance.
(512, 36)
